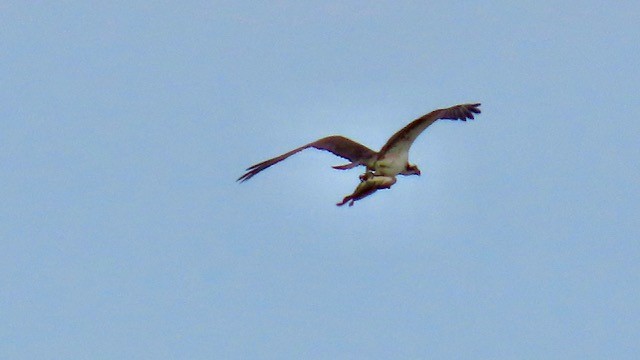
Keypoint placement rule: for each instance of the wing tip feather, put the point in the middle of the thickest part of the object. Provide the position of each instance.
(246, 176)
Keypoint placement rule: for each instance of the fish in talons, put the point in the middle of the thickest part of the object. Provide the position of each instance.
(369, 183)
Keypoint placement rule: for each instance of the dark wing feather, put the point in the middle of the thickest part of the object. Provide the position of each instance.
(338, 145)
(403, 139)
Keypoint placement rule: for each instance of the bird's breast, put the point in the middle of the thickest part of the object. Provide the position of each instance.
(390, 165)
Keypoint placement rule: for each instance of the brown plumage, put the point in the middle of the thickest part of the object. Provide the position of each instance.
(391, 160)
(355, 152)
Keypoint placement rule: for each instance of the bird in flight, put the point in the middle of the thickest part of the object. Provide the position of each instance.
(383, 166)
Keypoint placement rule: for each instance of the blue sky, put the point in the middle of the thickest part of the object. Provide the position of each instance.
(123, 233)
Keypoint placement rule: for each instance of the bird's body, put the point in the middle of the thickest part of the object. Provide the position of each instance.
(391, 164)
(382, 166)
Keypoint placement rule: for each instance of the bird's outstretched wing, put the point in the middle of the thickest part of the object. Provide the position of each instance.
(357, 153)
(403, 139)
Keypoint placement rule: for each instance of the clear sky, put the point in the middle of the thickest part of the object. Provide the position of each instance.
(124, 124)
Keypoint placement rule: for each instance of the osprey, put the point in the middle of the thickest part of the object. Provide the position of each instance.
(383, 166)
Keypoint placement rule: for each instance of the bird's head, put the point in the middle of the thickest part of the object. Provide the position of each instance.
(411, 169)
